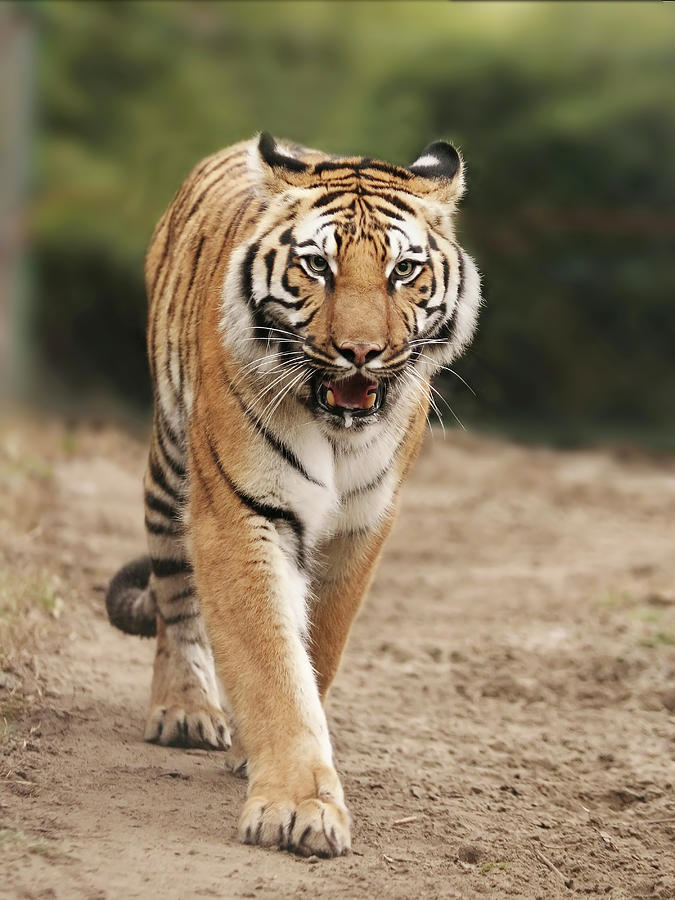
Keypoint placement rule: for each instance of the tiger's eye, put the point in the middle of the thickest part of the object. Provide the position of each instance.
(317, 264)
(404, 267)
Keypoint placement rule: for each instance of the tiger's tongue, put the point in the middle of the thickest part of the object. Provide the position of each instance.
(353, 393)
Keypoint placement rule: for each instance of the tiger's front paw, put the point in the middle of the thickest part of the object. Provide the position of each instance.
(317, 824)
(312, 827)
(183, 725)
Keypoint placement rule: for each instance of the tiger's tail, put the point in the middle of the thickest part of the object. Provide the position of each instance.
(130, 604)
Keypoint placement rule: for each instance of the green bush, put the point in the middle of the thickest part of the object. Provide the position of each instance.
(564, 113)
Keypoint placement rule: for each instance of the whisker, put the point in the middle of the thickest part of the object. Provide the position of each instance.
(283, 364)
(418, 388)
(442, 399)
(284, 340)
(432, 402)
(418, 402)
(276, 400)
(258, 361)
(257, 364)
(272, 328)
(292, 334)
(276, 381)
(448, 369)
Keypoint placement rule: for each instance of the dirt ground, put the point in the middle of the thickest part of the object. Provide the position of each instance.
(503, 720)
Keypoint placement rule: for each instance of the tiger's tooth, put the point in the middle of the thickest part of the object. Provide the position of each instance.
(330, 397)
(370, 401)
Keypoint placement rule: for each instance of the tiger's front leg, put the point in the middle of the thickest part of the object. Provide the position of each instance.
(349, 565)
(252, 590)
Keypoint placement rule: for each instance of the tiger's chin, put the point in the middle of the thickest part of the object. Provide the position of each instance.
(345, 402)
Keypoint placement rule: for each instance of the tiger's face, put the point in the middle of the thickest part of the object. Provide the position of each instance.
(354, 289)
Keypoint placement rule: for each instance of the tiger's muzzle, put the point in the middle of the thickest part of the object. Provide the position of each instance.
(356, 395)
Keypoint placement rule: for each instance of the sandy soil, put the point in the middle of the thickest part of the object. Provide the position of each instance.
(503, 718)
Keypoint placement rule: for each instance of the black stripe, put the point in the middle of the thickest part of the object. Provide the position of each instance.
(266, 510)
(234, 223)
(261, 321)
(446, 328)
(396, 201)
(204, 172)
(195, 263)
(390, 169)
(180, 595)
(162, 261)
(168, 428)
(327, 198)
(189, 640)
(355, 532)
(247, 273)
(303, 323)
(274, 441)
(181, 617)
(446, 277)
(169, 353)
(400, 230)
(287, 286)
(160, 506)
(389, 213)
(397, 358)
(362, 166)
(460, 275)
(270, 256)
(166, 568)
(316, 353)
(331, 165)
(287, 304)
(376, 482)
(174, 530)
(445, 331)
(159, 478)
(208, 187)
(176, 467)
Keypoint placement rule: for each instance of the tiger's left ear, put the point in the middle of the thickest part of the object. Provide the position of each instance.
(276, 165)
(443, 169)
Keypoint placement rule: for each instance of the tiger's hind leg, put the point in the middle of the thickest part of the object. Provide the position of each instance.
(185, 707)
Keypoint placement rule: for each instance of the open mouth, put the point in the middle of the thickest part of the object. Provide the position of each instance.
(355, 396)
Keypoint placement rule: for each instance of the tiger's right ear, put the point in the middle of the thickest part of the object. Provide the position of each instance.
(442, 169)
(276, 165)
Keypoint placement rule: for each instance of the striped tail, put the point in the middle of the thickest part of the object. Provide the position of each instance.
(130, 605)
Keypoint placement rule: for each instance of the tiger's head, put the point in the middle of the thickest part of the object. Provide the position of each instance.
(353, 289)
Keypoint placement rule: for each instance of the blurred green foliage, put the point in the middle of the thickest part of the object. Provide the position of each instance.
(565, 114)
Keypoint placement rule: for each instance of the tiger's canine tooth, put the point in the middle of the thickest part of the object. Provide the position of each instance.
(370, 400)
(330, 397)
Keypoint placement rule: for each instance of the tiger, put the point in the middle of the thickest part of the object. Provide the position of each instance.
(299, 305)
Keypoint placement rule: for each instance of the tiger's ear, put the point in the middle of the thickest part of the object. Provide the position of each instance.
(441, 166)
(276, 165)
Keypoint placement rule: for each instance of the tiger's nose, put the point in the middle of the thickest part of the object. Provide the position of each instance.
(359, 352)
